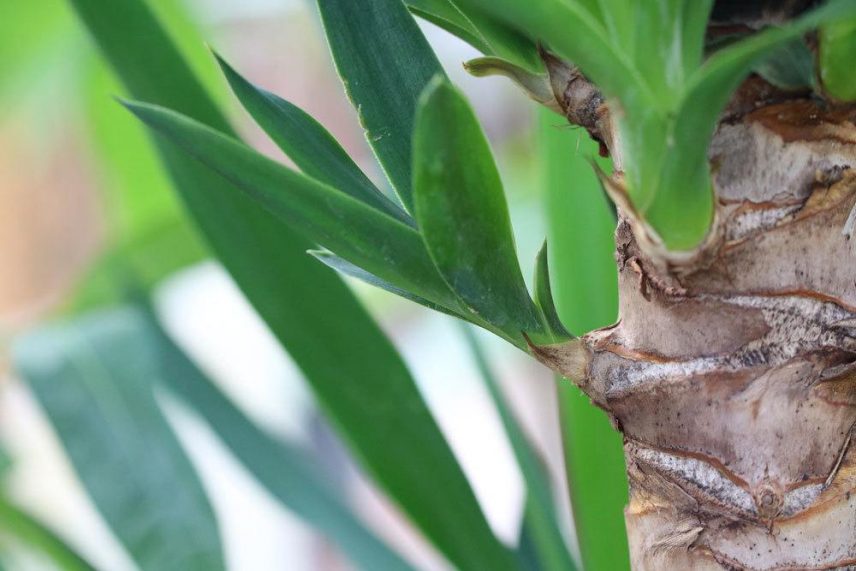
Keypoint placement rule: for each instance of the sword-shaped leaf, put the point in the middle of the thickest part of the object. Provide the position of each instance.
(308, 144)
(359, 233)
(353, 369)
(385, 63)
(462, 213)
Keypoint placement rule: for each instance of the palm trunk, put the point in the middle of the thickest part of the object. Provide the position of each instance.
(732, 373)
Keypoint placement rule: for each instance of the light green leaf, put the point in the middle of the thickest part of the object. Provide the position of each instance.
(359, 233)
(540, 514)
(308, 144)
(385, 63)
(288, 471)
(462, 213)
(580, 232)
(23, 527)
(837, 46)
(536, 86)
(95, 382)
(364, 386)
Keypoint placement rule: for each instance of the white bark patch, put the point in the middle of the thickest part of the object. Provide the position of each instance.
(703, 477)
(797, 325)
(754, 160)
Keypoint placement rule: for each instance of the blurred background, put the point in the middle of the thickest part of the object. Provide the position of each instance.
(83, 197)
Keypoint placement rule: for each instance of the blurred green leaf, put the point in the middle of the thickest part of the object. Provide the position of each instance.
(25, 528)
(837, 46)
(308, 144)
(462, 213)
(288, 471)
(354, 371)
(95, 382)
(540, 515)
(358, 232)
(385, 63)
(580, 232)
(789, 67)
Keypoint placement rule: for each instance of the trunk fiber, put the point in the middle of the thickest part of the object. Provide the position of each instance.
(732, 375)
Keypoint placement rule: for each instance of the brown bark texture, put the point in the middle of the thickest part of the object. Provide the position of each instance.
(732, 371)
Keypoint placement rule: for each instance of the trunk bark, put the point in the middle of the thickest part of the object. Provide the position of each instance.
(732, 374)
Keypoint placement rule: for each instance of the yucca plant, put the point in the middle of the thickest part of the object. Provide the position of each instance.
(729, 373)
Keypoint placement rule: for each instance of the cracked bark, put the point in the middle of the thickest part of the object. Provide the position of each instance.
(732, 374)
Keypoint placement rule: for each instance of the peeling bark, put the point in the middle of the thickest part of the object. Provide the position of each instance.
(732, 374)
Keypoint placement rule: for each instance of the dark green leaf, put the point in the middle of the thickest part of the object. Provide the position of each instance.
(359, 233)
(544, 297)
(353, 369)
(540, 514)
(789, 67)
(95, 382)
(385, 63)
(343, 266)
(308, 144)
(22, 526)
(462, 214)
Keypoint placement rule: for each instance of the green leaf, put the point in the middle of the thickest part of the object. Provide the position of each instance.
(288, 471)
(462, 214)
(581, 231)
(536, 86)
(23, 527)
(446, 15)
(345, 267)
(589, 46)
(95, 383)
(789, 67)
(540, 515)
(544, 297)
(483, 32)
(837, 46)
(308, 144)
(354, 371)
(359, 233)
(385, 63)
